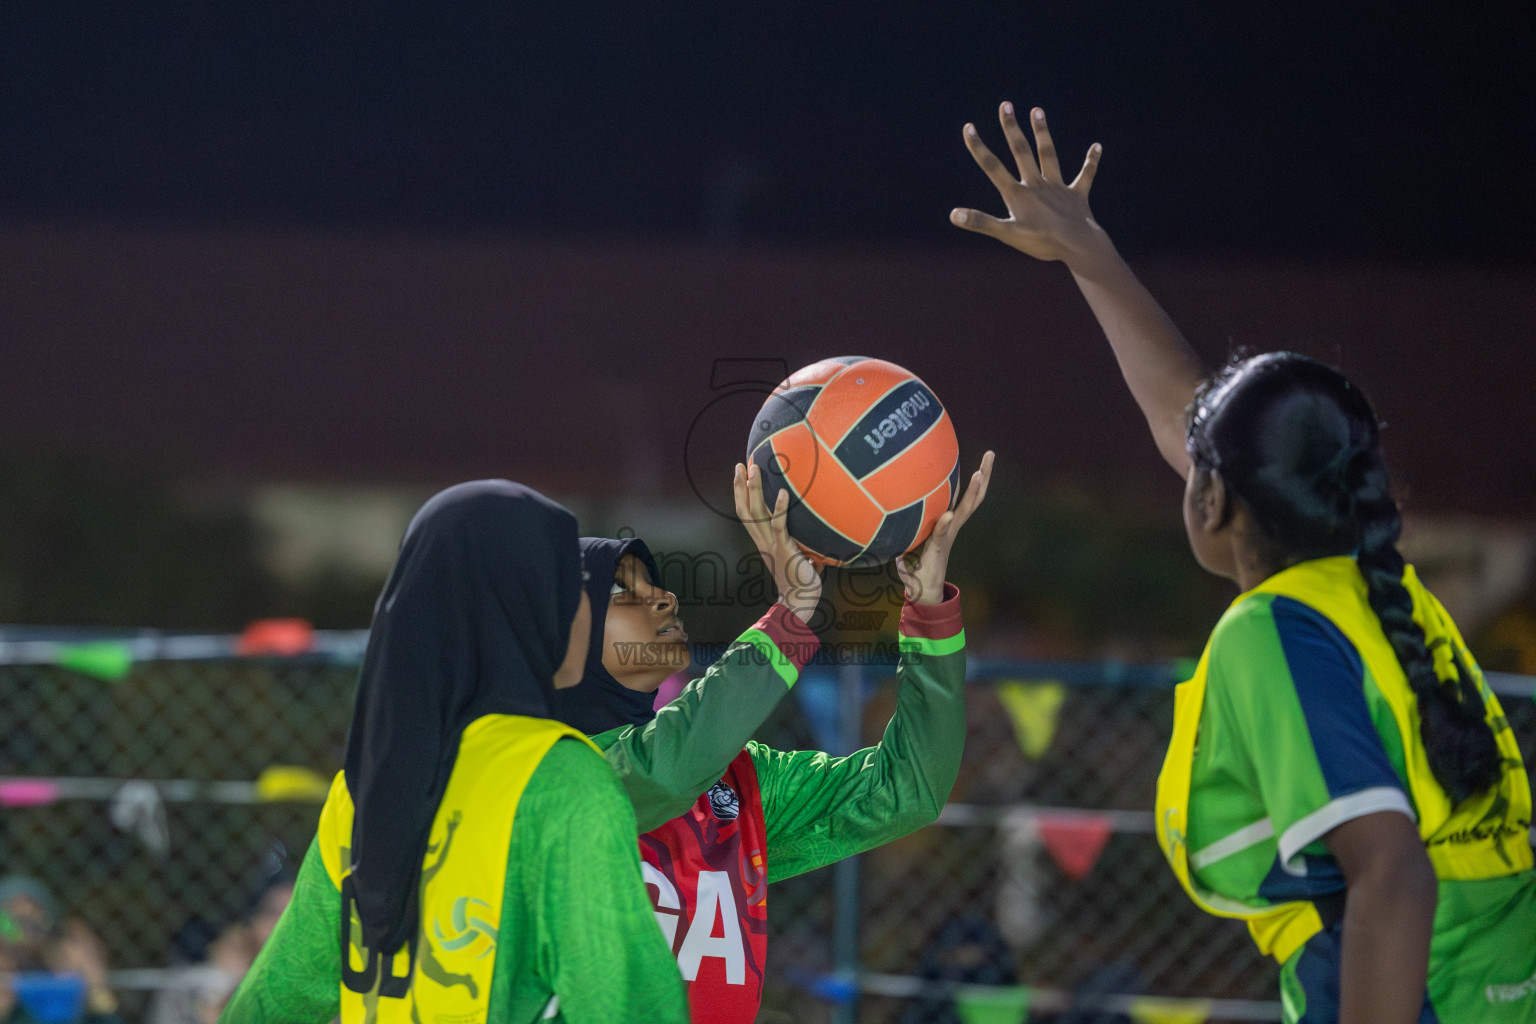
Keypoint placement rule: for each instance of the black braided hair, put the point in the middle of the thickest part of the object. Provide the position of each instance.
(1299, 445)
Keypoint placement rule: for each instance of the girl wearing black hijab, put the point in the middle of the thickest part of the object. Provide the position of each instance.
(600, 701)
(721, 816)
(475, 860)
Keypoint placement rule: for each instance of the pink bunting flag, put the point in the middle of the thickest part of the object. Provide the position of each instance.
(1074, 841)
(28, 792)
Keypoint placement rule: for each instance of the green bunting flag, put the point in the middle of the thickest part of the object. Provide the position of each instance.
(1001, 1005)
(106, 661)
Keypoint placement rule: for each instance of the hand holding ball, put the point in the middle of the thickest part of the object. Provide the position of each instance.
(867, 453)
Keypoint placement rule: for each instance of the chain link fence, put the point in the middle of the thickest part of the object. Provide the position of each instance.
(135, 800)
(149, 799)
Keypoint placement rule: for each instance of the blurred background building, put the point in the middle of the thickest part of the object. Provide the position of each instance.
(268, 278)
(296, 393)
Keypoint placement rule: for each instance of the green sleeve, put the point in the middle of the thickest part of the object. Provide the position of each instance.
(819, 809)
(665, 764)
(581, 926)
(296, 978)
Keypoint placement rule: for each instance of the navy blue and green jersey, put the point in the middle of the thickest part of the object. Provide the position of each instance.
(1293, 742)
(1307, 721)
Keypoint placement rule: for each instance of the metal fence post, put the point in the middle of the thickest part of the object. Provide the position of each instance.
(845, 881)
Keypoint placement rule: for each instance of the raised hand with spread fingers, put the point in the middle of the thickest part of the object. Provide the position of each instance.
(1047, 218)
(1050, 220)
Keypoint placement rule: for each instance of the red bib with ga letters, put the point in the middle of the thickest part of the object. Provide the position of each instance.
(707, 875)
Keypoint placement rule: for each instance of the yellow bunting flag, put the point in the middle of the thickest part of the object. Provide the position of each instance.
(992, 1005)
(1153, 1010)
(286, 782)
(1033, 707)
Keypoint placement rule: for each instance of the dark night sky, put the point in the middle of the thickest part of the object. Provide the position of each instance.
(1401, 131)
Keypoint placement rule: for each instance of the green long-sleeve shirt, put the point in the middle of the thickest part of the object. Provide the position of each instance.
(549, 938)
(575, 920)
(817, 808)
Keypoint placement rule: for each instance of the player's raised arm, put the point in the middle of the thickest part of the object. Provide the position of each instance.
(1049, 219)
(818, 808)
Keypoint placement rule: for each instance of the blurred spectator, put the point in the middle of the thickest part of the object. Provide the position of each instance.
(969, 950)
(209, 970)
(54, 970)
(1119, 977)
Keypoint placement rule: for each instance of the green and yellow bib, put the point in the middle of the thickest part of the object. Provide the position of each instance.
(1484, 837)
(444, 975)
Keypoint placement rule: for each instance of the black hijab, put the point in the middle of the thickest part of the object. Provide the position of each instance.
(600, 702)
(474, 620)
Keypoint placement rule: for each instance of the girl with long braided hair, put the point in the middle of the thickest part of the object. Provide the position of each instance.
(1339, 774)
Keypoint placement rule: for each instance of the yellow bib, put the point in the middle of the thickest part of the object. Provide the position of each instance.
(444, 975)
(1475, 840)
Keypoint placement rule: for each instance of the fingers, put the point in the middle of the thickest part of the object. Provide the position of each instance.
(941, 528)
(755, 499)
(976, 490)
(743, 495)
(751, 515)
(988, 162)
(982, 478)
(975, 220)
(949, 523)
(1050, 168)
(1084, 180)
(778, 520)
(1029, 172)
(772, 535)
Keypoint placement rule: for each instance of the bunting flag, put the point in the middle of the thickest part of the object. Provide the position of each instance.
(277, 636)
(1074, 841)
(1001, 1005)
(106, 661)
(285, 782)
(1155, 1010)
(1033, 708)
(28, 792)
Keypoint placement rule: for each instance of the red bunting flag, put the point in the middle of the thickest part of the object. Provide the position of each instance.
(276, 636)
(1074, 841)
